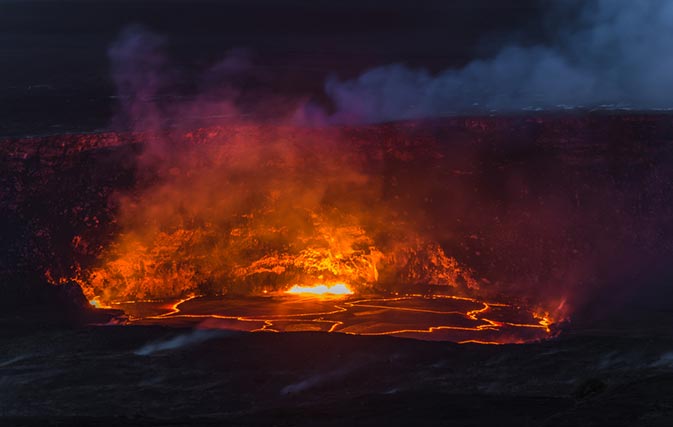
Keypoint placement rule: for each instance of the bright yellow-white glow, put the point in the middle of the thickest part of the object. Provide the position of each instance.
(94, 302)
(336, 289)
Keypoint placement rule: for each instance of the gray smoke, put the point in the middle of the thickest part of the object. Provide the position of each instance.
(138, 71)
(612, 54)
(194, 337)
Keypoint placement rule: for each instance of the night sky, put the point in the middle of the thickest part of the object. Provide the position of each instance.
(357, 61)
(55, 72)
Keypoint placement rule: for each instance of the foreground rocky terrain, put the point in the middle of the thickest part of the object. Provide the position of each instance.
(150, 376)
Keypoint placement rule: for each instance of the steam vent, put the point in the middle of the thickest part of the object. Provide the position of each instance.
(298, 214)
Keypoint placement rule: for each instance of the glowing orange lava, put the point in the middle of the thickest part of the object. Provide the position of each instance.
(336, 289)
(439, 317)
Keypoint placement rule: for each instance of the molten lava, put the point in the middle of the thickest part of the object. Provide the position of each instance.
(336, 289)
(438, 317)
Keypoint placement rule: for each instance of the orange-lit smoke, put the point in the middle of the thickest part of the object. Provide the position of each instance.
(262, 208)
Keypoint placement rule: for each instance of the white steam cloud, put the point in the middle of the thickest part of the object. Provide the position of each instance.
(611, 54)
(614, 54)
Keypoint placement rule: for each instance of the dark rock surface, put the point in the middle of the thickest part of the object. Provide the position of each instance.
(150, 376)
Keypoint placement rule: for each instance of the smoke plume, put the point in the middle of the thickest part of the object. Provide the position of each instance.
(603, 54)
(260, 201)
(191, 338)
(250, 206)
(611, 54)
